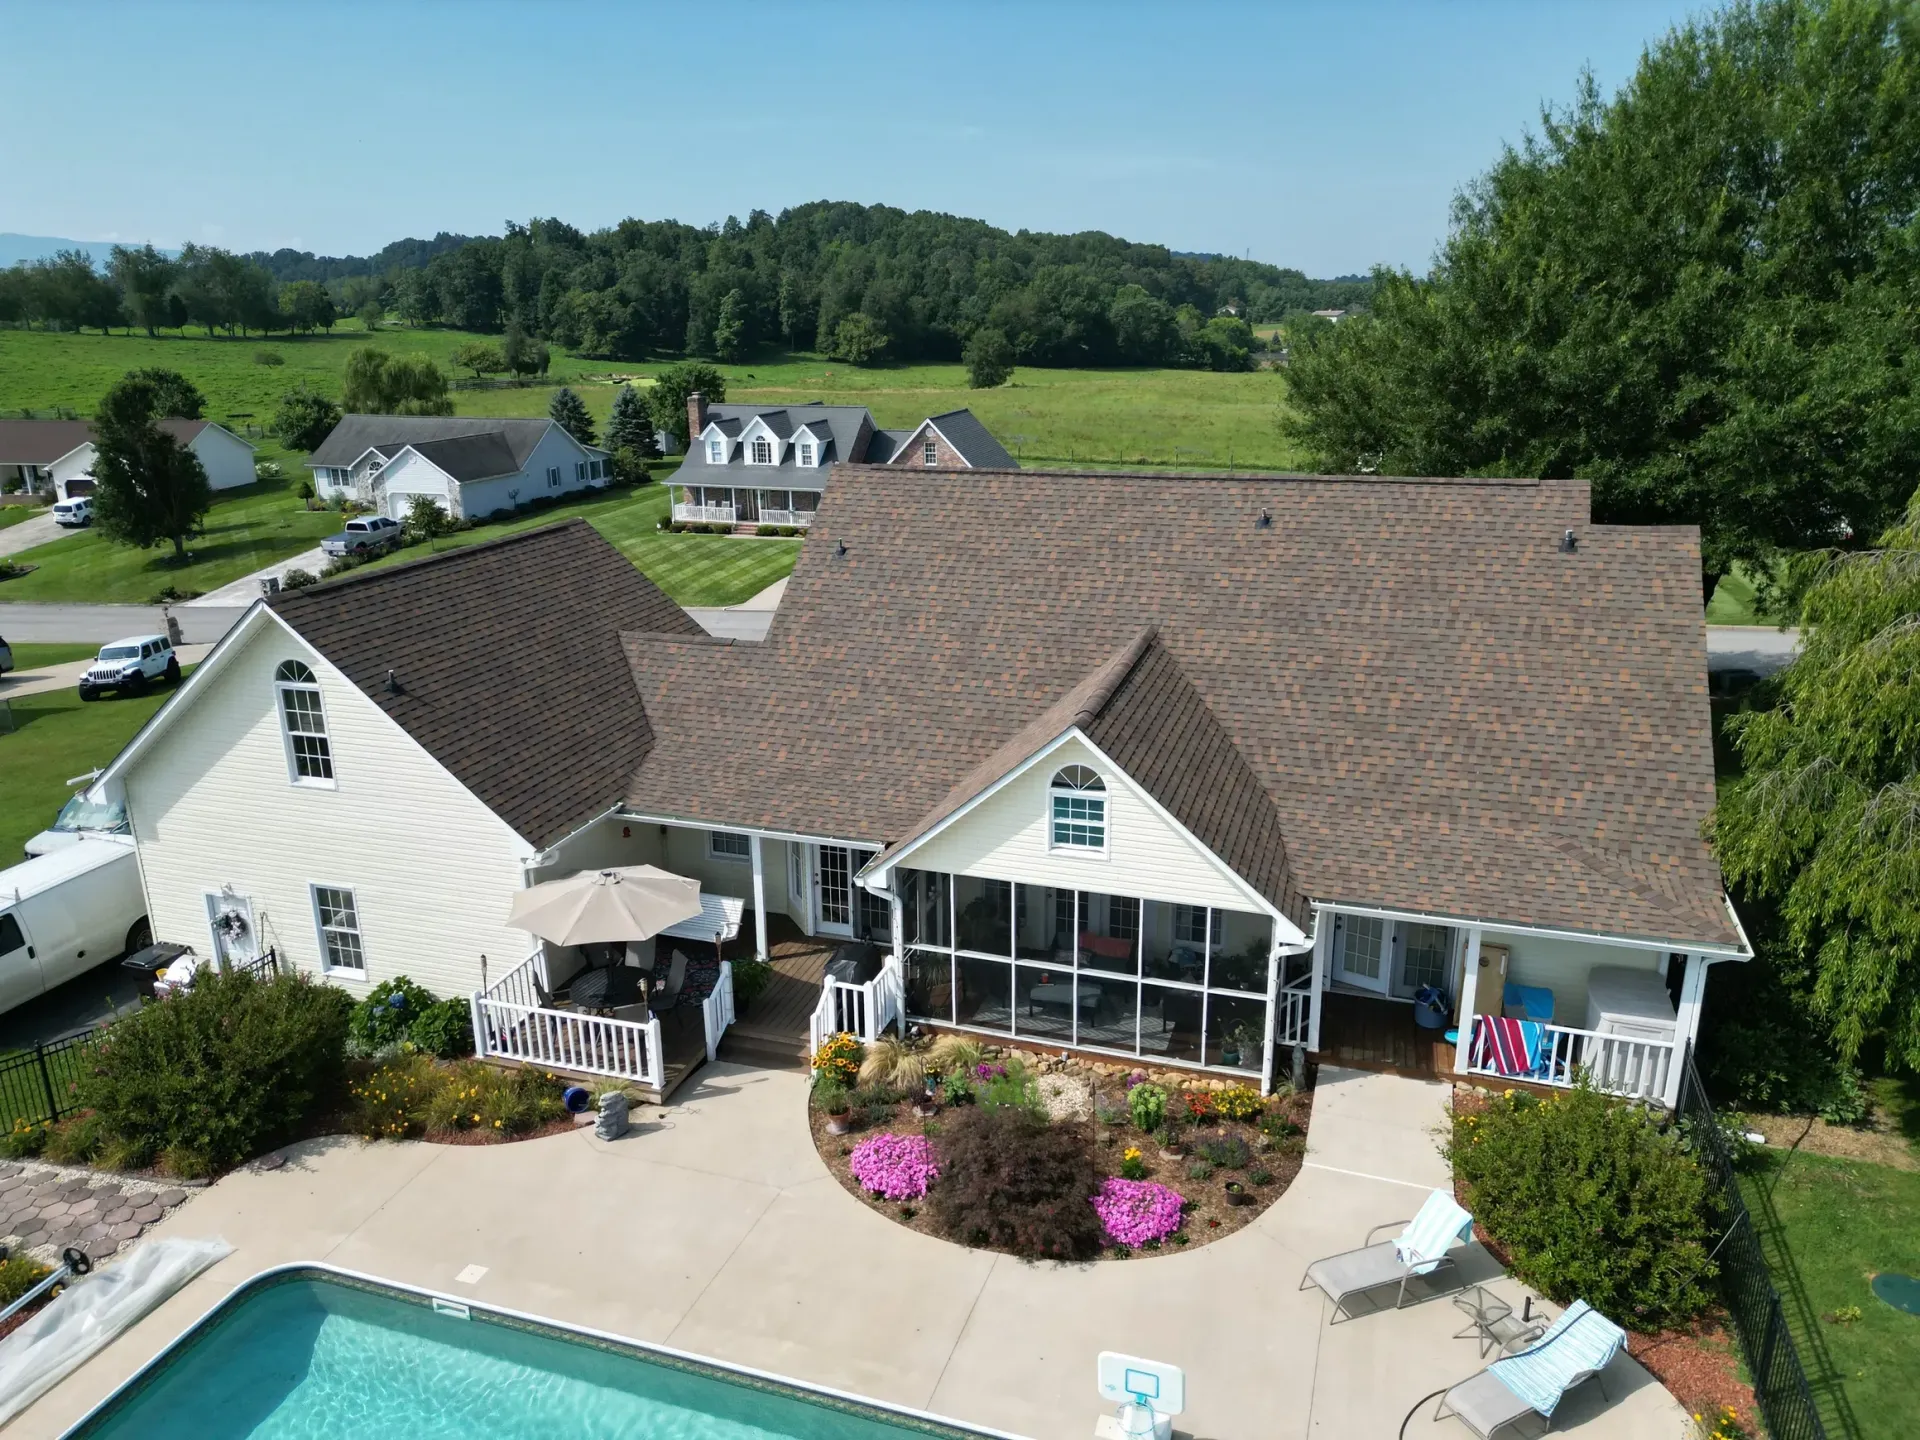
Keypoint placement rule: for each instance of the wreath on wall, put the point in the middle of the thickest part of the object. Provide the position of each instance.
(231, 926)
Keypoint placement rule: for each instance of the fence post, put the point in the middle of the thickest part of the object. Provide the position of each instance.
(46, 1079)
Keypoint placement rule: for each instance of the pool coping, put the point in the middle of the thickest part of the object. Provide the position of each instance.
(936, 1426)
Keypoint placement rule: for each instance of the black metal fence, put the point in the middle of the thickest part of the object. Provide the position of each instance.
(1773, 1360)
(37, 1085)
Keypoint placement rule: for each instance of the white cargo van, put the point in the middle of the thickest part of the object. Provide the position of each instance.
(66, 912)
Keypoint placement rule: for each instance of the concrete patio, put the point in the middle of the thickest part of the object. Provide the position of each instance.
(715, 1228)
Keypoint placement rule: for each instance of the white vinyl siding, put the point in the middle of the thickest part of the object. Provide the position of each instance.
(1006, 837)
(432, 870)
(303, 722)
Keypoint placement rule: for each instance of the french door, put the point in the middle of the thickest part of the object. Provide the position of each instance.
(833, 890)
(1362, 952)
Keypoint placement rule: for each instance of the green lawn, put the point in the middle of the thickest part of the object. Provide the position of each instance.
(56, 735)
(245, 530)
(32, 657)
(1827, 1227)
(693, 569)
(14, 514)
(1732, 602)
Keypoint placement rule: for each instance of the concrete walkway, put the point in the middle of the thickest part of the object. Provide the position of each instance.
(749, 620)
(29, 533)
(715, 1228)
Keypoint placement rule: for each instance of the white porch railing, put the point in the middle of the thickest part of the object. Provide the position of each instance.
(863, 1011)
(509, 1023)
(785, 517)
(704, 514)
(716, 1011)
(1617, 1064)
(1293, 1017)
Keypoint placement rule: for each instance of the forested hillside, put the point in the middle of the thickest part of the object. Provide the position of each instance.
(860, 283)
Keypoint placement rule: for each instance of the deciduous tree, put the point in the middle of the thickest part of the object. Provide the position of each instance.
(859, 340)
(989, 358)
(303, 418)
(381, 384)
(177, 397)
(667, 398)
(481, 357)
(149, 486)
(144, 276)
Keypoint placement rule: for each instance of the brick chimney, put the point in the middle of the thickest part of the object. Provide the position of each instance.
(696, 416)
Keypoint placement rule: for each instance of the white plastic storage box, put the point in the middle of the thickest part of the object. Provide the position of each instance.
(1632, 1003)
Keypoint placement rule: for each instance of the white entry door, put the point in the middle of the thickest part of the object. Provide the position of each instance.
(230, 919)
(833, 890)
(1361, 952)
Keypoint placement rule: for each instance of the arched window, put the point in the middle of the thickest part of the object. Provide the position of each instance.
(303, 724)
(1077, 809)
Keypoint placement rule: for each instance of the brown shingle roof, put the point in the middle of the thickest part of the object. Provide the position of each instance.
(1447, 713)
(508, 664)
(41, 442)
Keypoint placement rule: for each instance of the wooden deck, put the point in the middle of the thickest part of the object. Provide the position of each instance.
(1367, 1033)
(773, 1030)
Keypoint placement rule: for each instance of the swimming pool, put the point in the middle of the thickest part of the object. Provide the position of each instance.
(309, 1351)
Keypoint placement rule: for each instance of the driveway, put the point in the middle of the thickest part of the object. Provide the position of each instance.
(244, 591)
(66, 675)
(715, 1228)
(29, 533)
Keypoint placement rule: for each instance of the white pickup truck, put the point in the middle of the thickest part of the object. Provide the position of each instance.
(130, 666)
(66, 912)
(367, 535)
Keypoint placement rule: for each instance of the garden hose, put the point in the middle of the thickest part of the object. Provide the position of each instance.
(1416, 1408)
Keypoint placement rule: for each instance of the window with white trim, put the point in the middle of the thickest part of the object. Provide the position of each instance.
(579, 469)
(553, 477)
(806, 452)
(303, 725)
(729, 845)
(1362, 944)
(762, 450)
(716, 452)
(1077, 810)
(1190, 925)
(930, 452)
(337, 919)
(1123, 917)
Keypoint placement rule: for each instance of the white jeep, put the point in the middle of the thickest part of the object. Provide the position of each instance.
(73, 514)
(130, 665)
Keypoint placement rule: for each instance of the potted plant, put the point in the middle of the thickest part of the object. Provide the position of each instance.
(832, 1097)
(1241, 1039)
(1172, 1145)
(1238, 1194)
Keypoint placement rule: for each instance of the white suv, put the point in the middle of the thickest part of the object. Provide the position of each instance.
(75, 512)
(131, 665)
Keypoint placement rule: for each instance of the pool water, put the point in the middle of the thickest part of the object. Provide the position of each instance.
(309, 1354)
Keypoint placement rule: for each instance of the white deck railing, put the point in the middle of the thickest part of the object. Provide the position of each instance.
(1617, 1064)
(863, 1011)
(770, 516)
(509, 1023)
(704, 514)
(1293, 1017)
(716, 1011)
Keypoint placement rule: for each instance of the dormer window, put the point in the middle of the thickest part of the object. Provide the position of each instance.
(1077, 810)
(930, 452)
(762, 450)
(716, 452)
(806, 452)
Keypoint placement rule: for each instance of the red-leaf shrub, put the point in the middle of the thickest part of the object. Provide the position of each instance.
(1014, 1182)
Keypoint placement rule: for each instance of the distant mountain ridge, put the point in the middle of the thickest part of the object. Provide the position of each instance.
(15, 248)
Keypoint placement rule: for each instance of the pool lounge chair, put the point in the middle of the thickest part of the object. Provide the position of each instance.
(1576, 1348)
(1420, 1250)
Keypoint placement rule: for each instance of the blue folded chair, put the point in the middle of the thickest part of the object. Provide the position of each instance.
(1575, 1348)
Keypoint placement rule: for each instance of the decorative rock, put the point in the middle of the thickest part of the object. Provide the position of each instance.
(613, 1116)
(170, 1198)
(199, 1184)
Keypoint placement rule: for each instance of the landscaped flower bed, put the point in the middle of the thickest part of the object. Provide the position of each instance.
(1000, 1149)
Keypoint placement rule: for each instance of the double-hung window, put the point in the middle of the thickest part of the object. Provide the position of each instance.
(553, 477)
(337, 919)
(303, 724)
(729, 845)
(716, 452)
(806, 453)
(762, 450)
(930, 452)
(579, 469)
(1077, 810)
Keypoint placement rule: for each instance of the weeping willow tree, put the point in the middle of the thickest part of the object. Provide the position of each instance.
(1825, 821)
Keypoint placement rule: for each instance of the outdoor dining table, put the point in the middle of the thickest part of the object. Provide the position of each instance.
(608, 988)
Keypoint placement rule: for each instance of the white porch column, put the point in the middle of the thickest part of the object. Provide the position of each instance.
(1322, 952)
(1686, 1025)
(1463, 1004)
(759, 896)
(1273, 1003)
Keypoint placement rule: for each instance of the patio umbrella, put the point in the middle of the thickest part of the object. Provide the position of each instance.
(635, 902)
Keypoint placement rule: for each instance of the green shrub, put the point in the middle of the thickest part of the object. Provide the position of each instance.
(382, 1018)
(1016, 1183)
(1275, 1125)
(956, 1090)
(1200, 1170)
(413, 1096)
(830, 1094)
(24, 1141)
(225, 1070)
(750, 979)
(1147, 1103)
(1229, 1152)
(443, 1029)
(1015, 1089)
(77, 1140)
(1591, 1199)
(18, 1275)
(875, 1105)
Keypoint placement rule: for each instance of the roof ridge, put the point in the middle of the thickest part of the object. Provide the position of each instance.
(462, 552)
(1464, 482)
(1108, 678)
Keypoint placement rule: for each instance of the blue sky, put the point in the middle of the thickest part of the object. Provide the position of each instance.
(1325, 136)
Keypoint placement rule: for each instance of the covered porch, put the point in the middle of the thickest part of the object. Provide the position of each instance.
(740, 505)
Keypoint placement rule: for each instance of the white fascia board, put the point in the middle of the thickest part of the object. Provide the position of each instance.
(681, 822)
(1546, 932)
(1290, 934)
(83, 445)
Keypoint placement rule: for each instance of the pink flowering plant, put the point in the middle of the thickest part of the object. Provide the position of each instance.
(1135, 1212)
(900, 1167)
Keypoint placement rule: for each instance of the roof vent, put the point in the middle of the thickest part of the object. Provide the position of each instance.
(841, 548)
(393, 683)
(1265, 522)
(1568, 544)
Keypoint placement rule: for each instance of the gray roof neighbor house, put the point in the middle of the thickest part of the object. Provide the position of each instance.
(504, 443)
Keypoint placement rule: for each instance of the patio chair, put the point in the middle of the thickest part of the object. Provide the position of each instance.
(1576, 1348)
(1420, 1251)
(665, 999)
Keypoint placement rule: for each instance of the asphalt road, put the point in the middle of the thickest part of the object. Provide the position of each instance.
(97, 624)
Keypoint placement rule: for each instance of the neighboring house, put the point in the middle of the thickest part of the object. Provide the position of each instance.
(58, 455)
(753, 465)
(1190, 779)
(473, 466)
(1331, 316)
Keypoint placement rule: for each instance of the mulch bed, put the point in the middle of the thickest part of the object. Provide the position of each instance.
(1208, 1215)
(1700, 1367)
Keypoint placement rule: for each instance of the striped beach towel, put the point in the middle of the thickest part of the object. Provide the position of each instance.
(1432, 1232)
(1580, 1342)
(1511, 1047)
